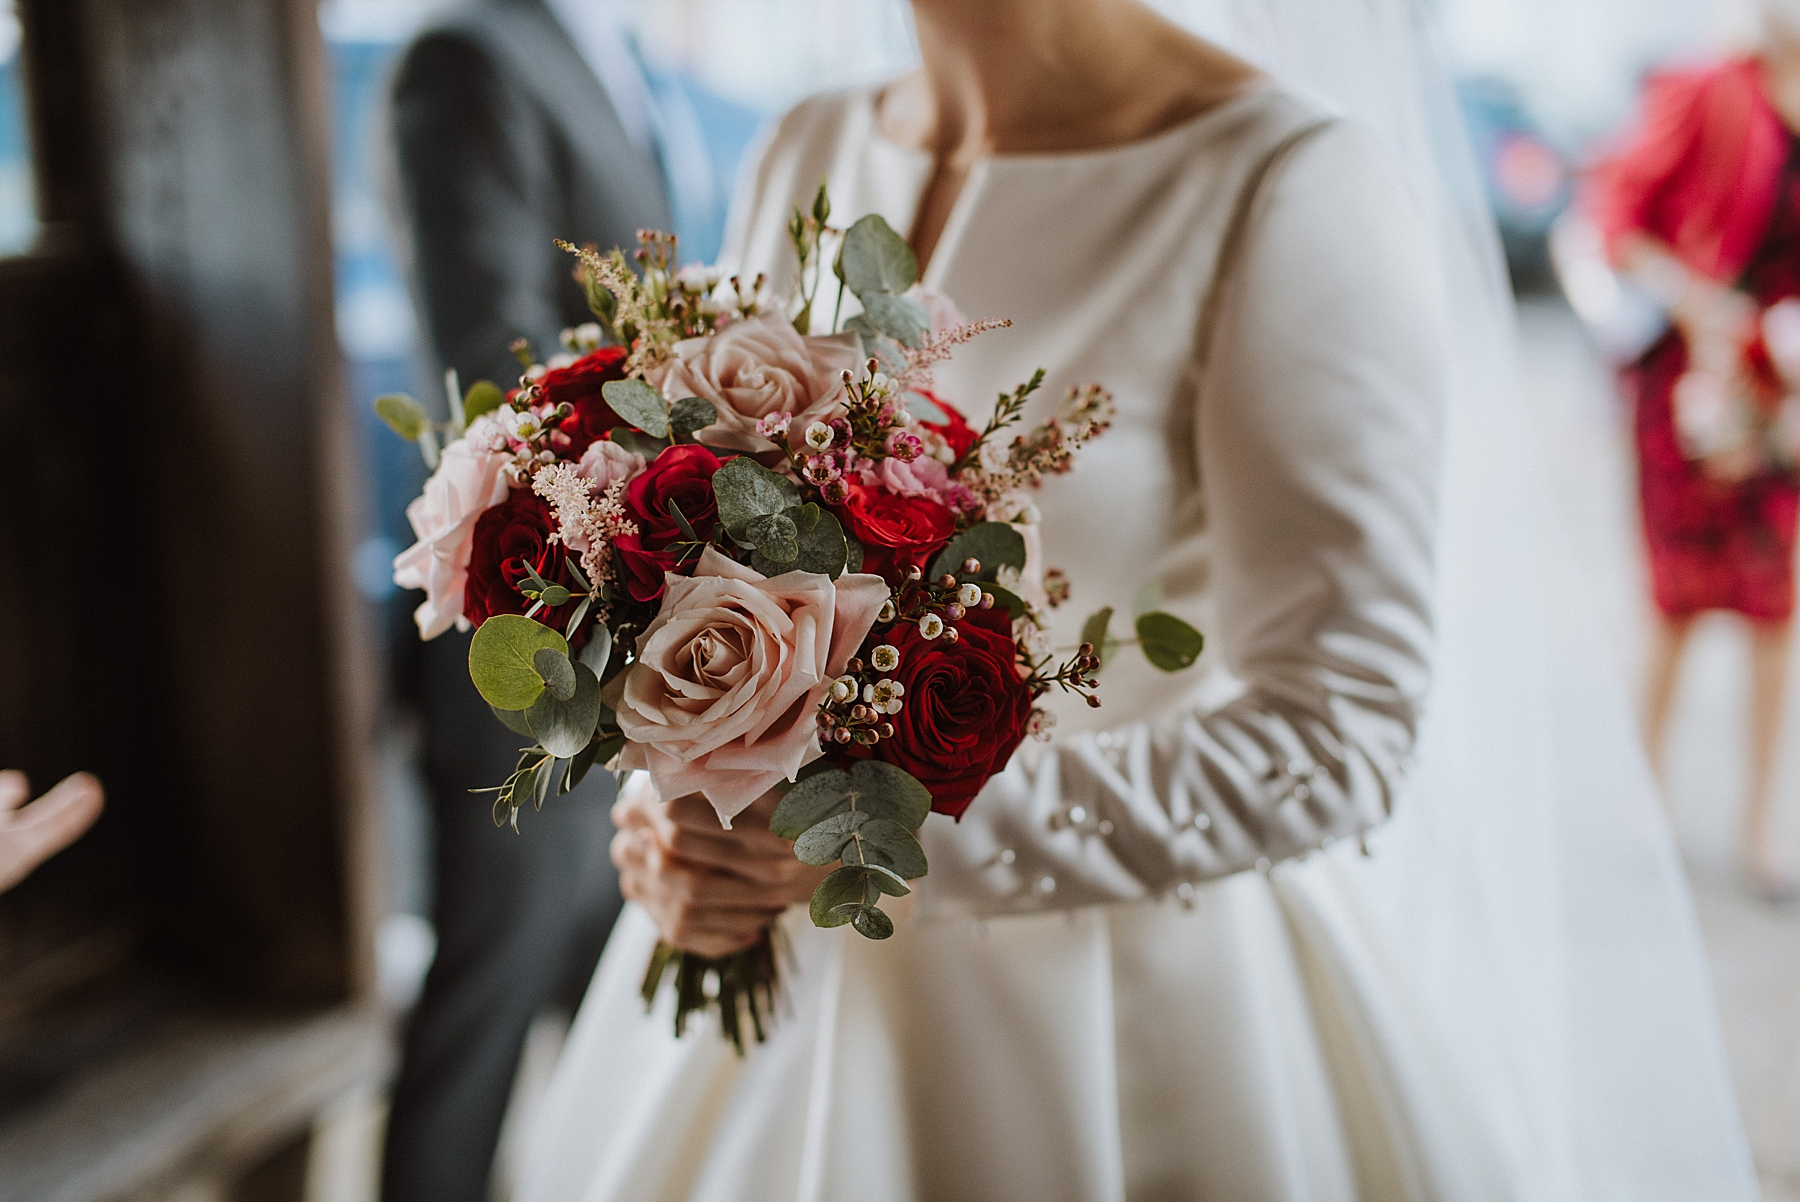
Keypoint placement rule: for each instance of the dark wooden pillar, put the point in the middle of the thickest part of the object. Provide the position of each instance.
(177, 497)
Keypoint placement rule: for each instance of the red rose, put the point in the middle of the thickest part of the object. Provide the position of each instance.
(509, 536)
(896, 532)
(955, 430)
(578, 385)
(682, 474)
(964, 710)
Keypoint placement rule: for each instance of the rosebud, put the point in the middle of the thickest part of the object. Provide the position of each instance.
(885, 730)
(946, 581)
(1085, 650)
(971, 566)
(854, 667)
(1093, 701)
(841, 734)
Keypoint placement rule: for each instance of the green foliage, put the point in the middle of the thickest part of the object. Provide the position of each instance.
(502, 660)
(887, 843)
(513, 720)
(1168, 642)
(689, 416)
(638, 442)
(825, 841)
(484, 396)
(598, 651)
(995, 544)
(774, 535)
(565, 725)
(745, 489)
(639, 404)
(579, 765)
(843, 889)
(897, 317)
(1006, 599)
(1094, 631)
(871, 923)
(869, 786)
(557, 673)
(876, 259)
(405, 416)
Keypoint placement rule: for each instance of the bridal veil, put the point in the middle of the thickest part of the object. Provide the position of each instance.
(1534, 914)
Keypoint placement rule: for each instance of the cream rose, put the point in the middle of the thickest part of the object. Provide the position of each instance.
(757, 367)
(470, 479)
(721, 699)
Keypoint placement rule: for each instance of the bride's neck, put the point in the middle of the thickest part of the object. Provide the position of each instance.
(1000, 76)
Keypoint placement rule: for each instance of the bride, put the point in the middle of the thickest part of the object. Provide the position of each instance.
(1182, 952)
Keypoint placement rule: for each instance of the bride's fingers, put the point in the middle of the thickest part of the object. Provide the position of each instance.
(655, 871)
(14, 789)
(750, 831)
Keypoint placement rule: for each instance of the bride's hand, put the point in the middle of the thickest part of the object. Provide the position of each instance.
(711, 891)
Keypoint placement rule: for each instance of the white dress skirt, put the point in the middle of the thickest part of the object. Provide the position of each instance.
(1153, 961)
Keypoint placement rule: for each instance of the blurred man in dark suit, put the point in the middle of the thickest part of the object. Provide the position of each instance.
(515, 122)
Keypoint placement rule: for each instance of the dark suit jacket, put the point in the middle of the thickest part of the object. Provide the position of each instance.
(505, 143)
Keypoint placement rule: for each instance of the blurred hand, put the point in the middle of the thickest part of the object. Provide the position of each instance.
(710, 890)
(31, 834)
(1716, 321)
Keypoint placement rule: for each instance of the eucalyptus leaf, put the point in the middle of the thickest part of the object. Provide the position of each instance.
(745, 489)
(884, 791)
(484, 396)
(897, 317)
(566, 725)
(995, 544)
(1168, 642)
(811, 801)
(871, 923)
(845, 887)
(1006, 599)
(639, 404)
(638, 442)
(405, 416)
(1094, 631)
(598, 650)
(824, 548)
(886, 880)
(853, 553)
(578, 767)
(876, 259)
(554, 596)
(608, 746)
(513, 720)
(501, 660)
(924, 408)
(557, 671)
(881, 841)
(823, 843)
(541, 780)
(775, 535)
(690, 415)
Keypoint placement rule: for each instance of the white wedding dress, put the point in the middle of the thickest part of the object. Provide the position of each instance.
(1154, 961)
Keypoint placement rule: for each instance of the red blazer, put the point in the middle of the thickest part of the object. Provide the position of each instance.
(1700, 169)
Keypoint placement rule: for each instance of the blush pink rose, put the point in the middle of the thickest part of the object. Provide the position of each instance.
(757, 367)
(470, 479)
(721, 699)
(605, 463)
(921, 477)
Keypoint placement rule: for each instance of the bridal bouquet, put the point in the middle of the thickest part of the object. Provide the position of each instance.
(743, 556)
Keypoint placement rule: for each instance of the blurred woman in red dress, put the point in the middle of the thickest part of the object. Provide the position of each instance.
(1700, 205)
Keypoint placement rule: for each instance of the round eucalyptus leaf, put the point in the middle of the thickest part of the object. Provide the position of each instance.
(689, 416)
(484, 396)
(557, 671)
(995, 544)
(639, 404)
(887, 880)
(877, 259)
(884, 842)
(513, 720)
(745, 489)
(844, 887)
(1168, 642)
(775, 536)
(824, 842)
(898, 317)
(871, 923)
(501, 660)
(884, 791)
(810, 802)
(405, 416)
(598, 650)
(823, 547)
(565, 726)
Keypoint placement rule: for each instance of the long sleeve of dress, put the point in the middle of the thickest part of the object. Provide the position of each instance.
(1318, 424)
